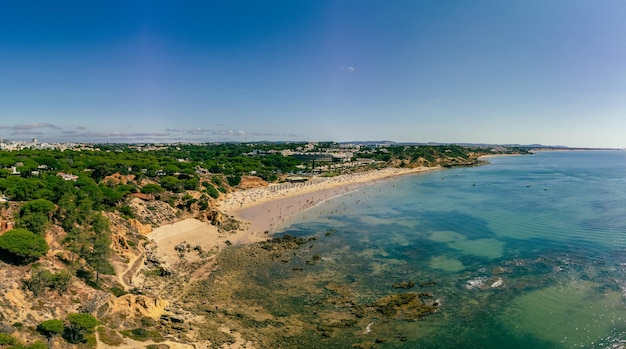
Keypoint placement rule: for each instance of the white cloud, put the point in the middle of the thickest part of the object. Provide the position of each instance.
(196, 131)
(230, 133)
(33, 126)
(348, 69)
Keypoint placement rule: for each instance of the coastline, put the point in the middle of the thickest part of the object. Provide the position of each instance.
(283, 279)
(262, 210)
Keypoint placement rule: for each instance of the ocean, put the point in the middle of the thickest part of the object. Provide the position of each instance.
(526, 252)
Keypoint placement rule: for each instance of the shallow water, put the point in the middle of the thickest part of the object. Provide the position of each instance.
(529, 251)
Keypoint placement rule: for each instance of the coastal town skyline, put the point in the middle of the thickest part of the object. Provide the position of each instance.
(405, 71)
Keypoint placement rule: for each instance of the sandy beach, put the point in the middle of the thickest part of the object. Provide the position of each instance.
(263, 209)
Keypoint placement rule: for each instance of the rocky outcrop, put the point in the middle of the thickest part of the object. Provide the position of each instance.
(118, 178)
(154, 213)
(142, 229)
(131, 305)
(248, 182)
(406, 306)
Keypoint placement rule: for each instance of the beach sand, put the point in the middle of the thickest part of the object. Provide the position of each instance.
(263, 209)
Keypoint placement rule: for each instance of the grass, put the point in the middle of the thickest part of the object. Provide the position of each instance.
(141, 334)
(109, 336)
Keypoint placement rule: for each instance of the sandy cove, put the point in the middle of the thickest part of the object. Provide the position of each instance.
(264, 209)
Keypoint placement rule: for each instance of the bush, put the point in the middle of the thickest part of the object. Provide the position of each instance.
(6, 339)
(233, 180)
(172, 184)
(109, 336)
(127, 211)
(216, 180)
(152, 189)
(22, 246)
(212, 191)
(38, 345)
(36, 222)
(39, 205)
(141, 334)
(83, 321)
(118, 291)
(42, 279)
(50, 328)
(80, 324)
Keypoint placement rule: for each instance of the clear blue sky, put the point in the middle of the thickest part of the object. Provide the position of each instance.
(520, 71)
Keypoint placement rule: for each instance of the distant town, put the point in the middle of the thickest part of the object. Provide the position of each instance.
(11, 145)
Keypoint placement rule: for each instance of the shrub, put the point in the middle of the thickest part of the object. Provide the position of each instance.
(38, 345)
(39, 205)
(80, 324)
(22, 245)
(50, 328)
(212, 191)
(83, 321)
(42, 278)
(233, 180)
(127, 211)
(35, 222)
(216, 180)
(6, 339)
(152, 189)
(118, 291)
(109, 336)
(141, 334)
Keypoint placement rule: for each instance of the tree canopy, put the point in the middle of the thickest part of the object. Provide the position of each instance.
(22, 245)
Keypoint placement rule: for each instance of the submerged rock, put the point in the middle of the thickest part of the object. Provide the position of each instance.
(475, 283)
(405, 306)
(404, 284)
(497, 283)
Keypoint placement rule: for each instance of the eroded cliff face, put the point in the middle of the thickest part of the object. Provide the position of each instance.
(143, 293)
(153, 212)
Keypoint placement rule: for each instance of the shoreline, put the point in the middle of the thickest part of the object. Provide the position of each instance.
(262, 210)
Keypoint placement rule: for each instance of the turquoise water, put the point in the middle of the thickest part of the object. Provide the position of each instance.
(529, 251)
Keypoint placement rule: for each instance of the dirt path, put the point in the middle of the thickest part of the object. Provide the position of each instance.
(135, 265)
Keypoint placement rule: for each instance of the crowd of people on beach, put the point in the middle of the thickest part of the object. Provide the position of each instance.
(250, 197)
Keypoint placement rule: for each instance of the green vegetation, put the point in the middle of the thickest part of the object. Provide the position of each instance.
(79, 326)
(233, 180)
(6, 339)
(51, 328)
(43, 279)
(22, 246)
(211, 190)
(10, 342)
(109, 336)
(141, 334)
(152, 189)
(72, 188)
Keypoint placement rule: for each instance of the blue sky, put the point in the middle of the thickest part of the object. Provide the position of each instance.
(535, 71)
